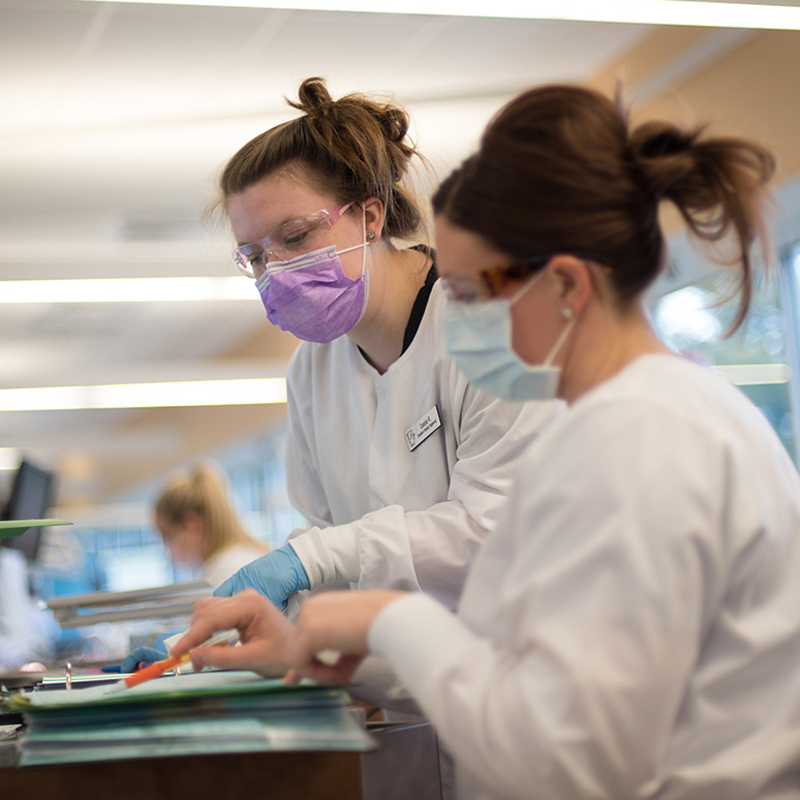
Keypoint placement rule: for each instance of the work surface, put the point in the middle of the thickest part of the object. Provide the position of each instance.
(177, 737)
(403, 766)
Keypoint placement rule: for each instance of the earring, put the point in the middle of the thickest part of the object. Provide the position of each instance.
(566, 312)
(371, 235)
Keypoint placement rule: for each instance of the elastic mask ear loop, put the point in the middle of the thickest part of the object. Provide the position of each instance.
(365, 244)
(552, 354)
(524, 288)
(562, 336)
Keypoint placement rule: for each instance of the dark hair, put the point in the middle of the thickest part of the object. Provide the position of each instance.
(560, 169)
(353, 147)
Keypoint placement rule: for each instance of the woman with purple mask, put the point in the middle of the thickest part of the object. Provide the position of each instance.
(399, 464)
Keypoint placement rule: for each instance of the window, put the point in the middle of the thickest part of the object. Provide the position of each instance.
(757, 358)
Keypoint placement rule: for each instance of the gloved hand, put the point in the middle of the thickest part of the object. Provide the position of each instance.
(148, 654)
(276, 575)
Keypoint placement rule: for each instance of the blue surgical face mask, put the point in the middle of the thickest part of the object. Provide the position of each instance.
(478, 337)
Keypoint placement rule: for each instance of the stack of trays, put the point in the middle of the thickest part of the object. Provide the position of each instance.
(205, 712)
(157, 602)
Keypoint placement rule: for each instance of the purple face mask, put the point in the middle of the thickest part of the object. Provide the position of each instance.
(311, 297)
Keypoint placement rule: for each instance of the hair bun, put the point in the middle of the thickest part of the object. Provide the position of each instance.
(395, 124)
(353, 147)
(313, 97)
(660, 140)
(663, 156)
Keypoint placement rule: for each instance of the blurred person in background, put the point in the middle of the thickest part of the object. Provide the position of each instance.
(200, 529)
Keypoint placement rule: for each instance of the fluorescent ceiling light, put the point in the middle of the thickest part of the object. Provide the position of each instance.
(754, 374)
(240, 391)
(9, 458)
(127, 290)
(642, 12)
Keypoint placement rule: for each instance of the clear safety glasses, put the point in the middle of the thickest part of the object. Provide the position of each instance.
(293, 238)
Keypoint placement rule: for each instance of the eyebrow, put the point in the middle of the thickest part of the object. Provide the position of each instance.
(275, 228)
(258, 241)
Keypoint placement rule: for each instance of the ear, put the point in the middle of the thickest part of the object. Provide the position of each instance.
(573, 282)
(374, 217)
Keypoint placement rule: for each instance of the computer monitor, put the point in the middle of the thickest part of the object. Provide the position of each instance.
(31, 496)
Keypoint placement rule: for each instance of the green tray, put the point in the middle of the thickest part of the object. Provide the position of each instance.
(16, 527)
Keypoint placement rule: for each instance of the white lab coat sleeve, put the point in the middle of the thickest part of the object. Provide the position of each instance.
(591, 601)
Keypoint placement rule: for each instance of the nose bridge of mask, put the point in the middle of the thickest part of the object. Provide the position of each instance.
(314, 258)
(309, 259)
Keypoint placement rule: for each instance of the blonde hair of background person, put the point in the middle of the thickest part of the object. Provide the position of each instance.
(200, 527)
(631, 628)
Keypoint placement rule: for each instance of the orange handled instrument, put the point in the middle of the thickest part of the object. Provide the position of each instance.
(158, 668)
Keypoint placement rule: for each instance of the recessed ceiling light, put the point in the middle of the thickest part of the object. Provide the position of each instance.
(9, 458)
(127, 290)
(242, 391)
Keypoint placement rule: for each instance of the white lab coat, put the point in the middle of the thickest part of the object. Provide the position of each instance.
(383, 516)
(221, 565)
(632, 629)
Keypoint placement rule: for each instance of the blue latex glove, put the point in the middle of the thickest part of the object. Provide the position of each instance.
(276, 575)
(147, 654)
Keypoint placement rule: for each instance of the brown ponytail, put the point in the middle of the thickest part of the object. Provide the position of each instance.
(559, 170)
(353, 147)
(715, 183)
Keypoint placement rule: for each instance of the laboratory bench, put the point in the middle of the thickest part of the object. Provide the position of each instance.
(403, 766)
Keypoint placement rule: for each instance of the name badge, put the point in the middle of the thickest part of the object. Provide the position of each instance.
(423, 428)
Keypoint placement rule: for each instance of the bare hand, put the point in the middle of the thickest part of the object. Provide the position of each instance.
(338, 621)
(263, 632)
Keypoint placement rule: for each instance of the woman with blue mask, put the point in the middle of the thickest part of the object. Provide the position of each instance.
(631, 628)
(398, 463)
